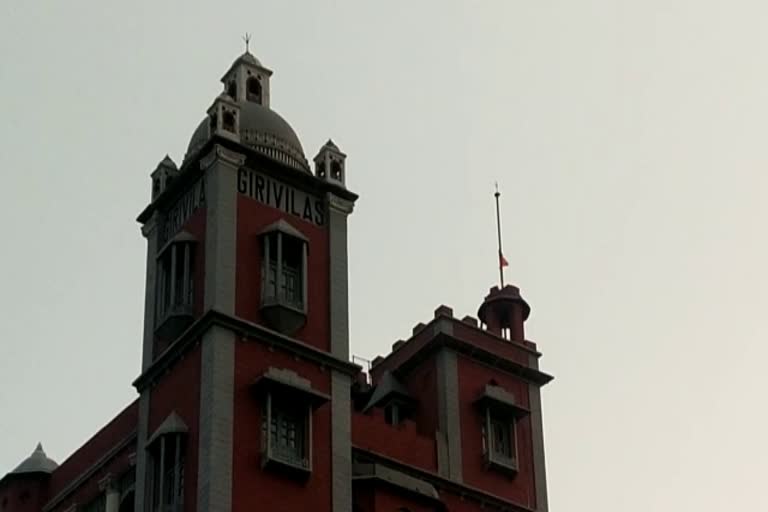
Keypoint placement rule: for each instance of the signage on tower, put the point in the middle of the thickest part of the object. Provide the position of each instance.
(278, 195)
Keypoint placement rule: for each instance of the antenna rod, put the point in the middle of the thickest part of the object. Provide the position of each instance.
(498, 231)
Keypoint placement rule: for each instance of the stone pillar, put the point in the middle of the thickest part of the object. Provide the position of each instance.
(449, 434)
(151, 232)
(214, 472)
(338, 211)
(108, 486)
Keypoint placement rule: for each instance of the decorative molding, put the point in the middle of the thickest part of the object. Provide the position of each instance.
(243, 329)
(463, 491)
(339, 204)
(441, 337)
(107, 483)
(88, 473)
(150, 226)
(219, 152)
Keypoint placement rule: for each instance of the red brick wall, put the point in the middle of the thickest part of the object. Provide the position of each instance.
(387, 499)
(421, 382)
(512, 350)
(90, 489)
(403, 442)
(22, 494)
(179, 391)
(257, 489)
(472, 379)
(89, 453)
(252, 218)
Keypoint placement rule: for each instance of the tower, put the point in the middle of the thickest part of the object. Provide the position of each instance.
(247, 399)
(246, 314)
(23, 489)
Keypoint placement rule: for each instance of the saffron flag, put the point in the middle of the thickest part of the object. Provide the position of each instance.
(502, 261)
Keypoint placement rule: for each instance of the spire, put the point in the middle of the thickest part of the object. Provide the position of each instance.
(37, 462)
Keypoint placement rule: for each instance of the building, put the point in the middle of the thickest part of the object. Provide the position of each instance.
(247, 398)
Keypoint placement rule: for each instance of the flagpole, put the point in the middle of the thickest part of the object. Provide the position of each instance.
(498, 231)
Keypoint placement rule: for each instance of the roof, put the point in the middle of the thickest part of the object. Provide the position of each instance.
(168, 162)
(173, 424)
(387, 387)
(38, 462)
(249, 58)
(262, 129)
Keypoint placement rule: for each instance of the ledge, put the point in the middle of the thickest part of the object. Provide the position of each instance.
(466, 492)
(242, 328)
(379, 472)
(500, 401)
(291, 384)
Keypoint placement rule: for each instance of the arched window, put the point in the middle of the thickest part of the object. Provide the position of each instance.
(336, 170)
(253, 90)
(126, 505)
(232, 90)
(228, 121)
(320, 169)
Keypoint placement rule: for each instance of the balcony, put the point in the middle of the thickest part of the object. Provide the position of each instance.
(174, 319)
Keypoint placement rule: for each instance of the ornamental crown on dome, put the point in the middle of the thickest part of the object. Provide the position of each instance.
(242, 113)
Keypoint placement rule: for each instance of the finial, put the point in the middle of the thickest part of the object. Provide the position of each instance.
(247, 39)
(502, 260)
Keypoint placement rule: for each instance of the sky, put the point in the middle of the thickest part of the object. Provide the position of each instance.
(627, 139)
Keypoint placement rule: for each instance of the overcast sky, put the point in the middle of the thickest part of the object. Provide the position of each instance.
(628, 139)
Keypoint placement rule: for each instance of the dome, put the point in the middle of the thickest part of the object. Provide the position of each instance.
(248, 58)
(263, 130)
(38, 462)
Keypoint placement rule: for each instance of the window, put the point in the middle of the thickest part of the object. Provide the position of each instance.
(284, 270)
(253, 90)
(175, 293)
(392, 414)
(126, 486)
(285, 429)
(167, 473)
(320, 169)
(127, 502)
(97, 505)
(286, 434)
(232, 90)
(397, 411)
(500, 413)
(284, 277)
(499, 441)
(287, 400)
(228, 121)
(336, 170)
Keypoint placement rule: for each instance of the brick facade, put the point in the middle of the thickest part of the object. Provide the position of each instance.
(247, 397)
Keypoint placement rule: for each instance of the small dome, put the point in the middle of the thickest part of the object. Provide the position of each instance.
(38, 462)
(263, 130)
(248, 58)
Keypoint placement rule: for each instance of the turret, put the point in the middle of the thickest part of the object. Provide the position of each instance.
(23, 489)
(504, 312)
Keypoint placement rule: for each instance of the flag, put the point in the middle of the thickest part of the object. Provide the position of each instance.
(502, 261)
